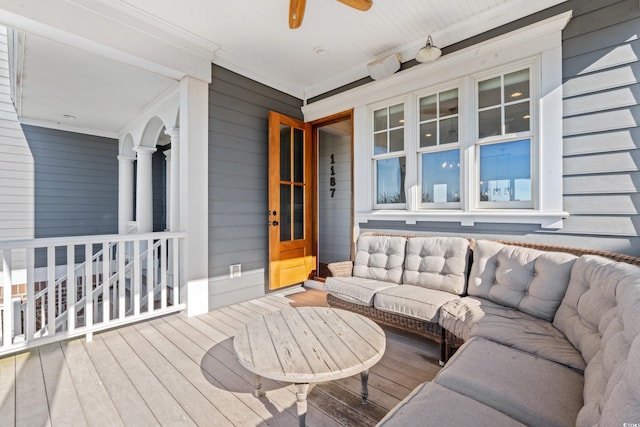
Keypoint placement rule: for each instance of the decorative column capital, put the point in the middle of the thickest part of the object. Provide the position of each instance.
(142, 150)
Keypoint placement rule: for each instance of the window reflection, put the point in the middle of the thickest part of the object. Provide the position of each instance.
(390, 180)
(441, 177)
(505, 171)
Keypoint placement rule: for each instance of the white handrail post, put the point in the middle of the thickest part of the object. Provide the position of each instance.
(151, 256)
(6, 300)
(106, 282)
(51, 290)
(88, 304)
(137, 276)
(30, 312)
(71, 288)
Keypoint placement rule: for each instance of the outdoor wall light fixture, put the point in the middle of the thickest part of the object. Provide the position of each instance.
(429, 52)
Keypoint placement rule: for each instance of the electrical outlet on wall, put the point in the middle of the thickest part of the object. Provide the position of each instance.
(235, 270)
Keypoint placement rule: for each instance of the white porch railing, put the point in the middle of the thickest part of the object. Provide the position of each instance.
(86, 284)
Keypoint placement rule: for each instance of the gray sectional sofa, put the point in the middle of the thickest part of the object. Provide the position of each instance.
(549, 338)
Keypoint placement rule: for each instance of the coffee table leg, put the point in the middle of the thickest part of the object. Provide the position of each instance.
(301, 397)
(364, 376)
(257, 388)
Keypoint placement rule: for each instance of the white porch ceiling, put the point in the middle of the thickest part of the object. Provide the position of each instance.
(80, 55)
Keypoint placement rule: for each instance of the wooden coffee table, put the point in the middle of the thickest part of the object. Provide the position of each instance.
(309, 345)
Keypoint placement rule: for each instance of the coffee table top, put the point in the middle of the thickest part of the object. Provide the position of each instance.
(309, 344)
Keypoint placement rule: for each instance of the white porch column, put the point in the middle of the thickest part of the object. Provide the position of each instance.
(194, 185)
(125, 192)
(173, 179)
(144, 190)
(167, 166)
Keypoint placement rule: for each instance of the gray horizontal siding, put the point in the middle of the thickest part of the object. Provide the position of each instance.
(238, 167)
(75, 182)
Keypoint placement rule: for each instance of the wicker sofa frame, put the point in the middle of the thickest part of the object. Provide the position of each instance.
(449, 343)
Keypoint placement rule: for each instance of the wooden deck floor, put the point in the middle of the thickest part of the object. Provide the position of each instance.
(182, 371)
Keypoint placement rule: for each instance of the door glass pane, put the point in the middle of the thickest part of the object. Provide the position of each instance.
(298, 212)
(489, 92)
(505, 171)
(285, 153)
(298, 155)
(285, 212)
(441, 177)
(390, 180)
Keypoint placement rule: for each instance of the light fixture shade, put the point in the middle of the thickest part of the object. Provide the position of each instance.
(384, 67)
(429, 52)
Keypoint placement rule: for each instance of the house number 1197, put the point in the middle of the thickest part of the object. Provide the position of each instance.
(332, 179)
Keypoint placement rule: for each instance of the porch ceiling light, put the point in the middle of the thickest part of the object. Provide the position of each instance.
(429, 52)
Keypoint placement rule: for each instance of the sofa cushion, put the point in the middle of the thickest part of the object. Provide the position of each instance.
(355, 289)
(600, 316)
(430, 404)
(437, 263)
(530, 280)
(527, 388)
(413, 301)
(476, 317)
(380, 258)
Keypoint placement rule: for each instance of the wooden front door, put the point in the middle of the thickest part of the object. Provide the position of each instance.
(291, 255)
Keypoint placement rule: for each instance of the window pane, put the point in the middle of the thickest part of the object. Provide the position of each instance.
(505, 171)
(298, 212)
(428, 108)
(516, 117)
(490, 123)
(390, 180)
(489, 92)
(516, 85)
(428, 134)
(396, 116)
(396, 140)
(441, 177)
(380, 120)
(285, 153)
(380, 143)
(298, 155)
(285, 212)
(449, 130)
(449, 102)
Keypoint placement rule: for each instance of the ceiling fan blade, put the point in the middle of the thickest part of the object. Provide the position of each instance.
(296, 13)
(358, 4)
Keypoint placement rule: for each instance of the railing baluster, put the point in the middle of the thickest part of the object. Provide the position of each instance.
(7, 305)
(72, 292)
(151, 281)
(163, 274)
(106, 282)
(30, 311)
(51, 290)
(122, 280)
(175, 243)
(137, 276)
(88, 293)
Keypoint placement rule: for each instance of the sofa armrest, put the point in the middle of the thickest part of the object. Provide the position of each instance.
(341, 269)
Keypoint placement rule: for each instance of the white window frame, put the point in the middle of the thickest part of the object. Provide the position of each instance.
(541, 40)
(390, 154)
